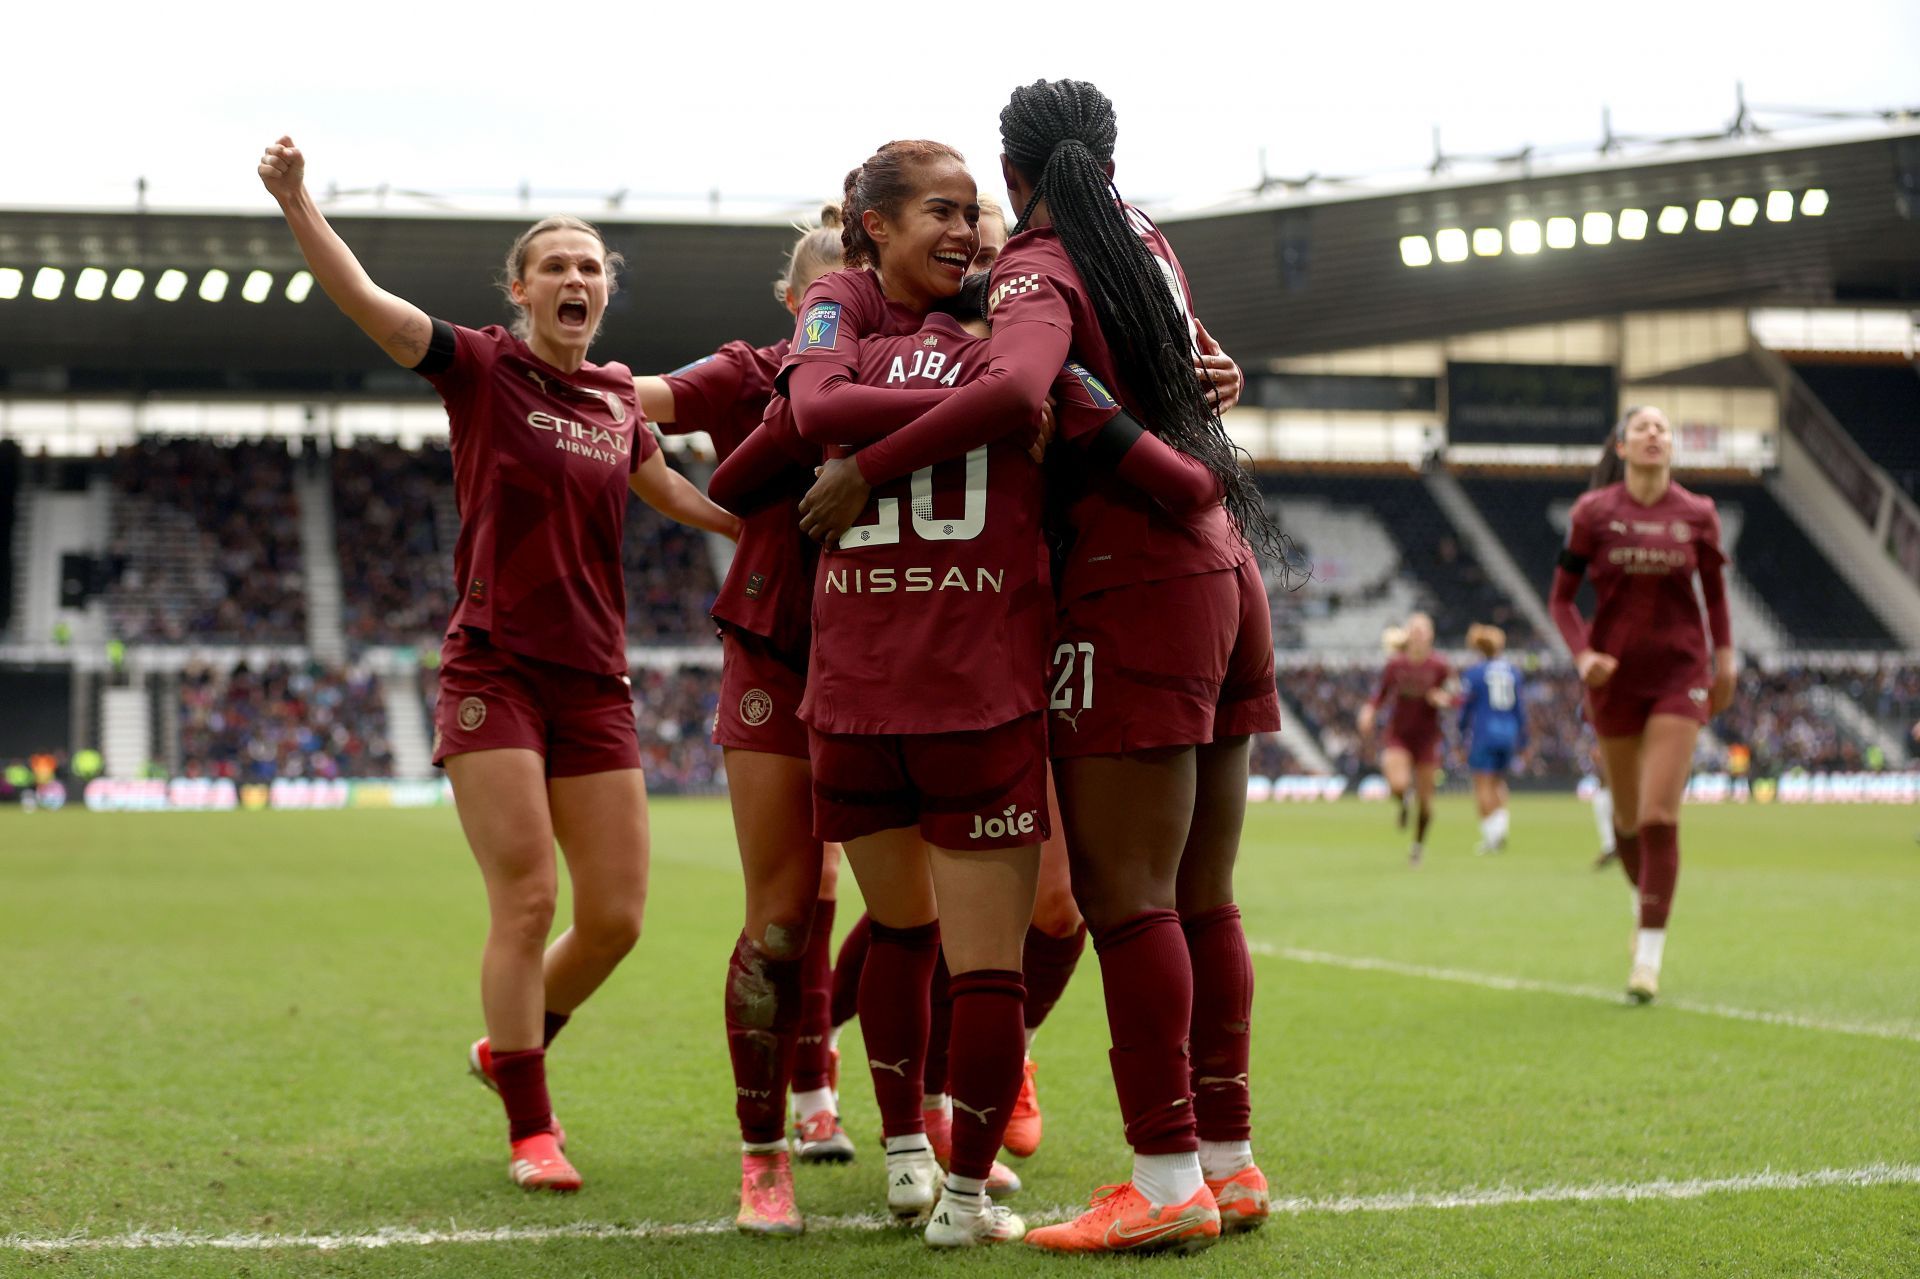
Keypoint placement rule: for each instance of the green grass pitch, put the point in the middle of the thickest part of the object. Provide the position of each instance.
(254, 1025)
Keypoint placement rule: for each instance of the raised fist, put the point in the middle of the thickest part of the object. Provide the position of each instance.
(283, 170)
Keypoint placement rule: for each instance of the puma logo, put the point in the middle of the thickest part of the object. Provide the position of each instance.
(1073, 719)
(981, 1115)
(539, 379)
(900, 1069)
(1222, 1081)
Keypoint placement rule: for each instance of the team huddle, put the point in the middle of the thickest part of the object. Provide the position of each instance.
(994, 634)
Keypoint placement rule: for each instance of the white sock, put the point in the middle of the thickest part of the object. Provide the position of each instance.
(1031, 1032)
(1603, 818)
(1503, 822)
(937, 1101)
(959, 1185)
(813, 1101)
(1649, 946)
(833, 1039)
(912, 1144)
(1220, 1159)
(1167, 1179)
(763, 1147)
(1490, 829)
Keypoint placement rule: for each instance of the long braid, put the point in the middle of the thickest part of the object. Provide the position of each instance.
(1061, 134)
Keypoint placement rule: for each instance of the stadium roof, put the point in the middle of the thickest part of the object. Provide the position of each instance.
(1293, 276)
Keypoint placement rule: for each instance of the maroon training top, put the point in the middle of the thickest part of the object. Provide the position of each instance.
(541, 463)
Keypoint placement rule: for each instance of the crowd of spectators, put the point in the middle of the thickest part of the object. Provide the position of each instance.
(395, 524)
(1774, 717)
(205, 544)
(670, 577)
(282, 720)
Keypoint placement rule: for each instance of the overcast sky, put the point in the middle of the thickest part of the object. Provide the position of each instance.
(781, 99)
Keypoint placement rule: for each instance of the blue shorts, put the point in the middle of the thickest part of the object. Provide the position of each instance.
(1486, 757)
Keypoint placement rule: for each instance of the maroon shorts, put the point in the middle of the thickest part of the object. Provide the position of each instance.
(975, 790)
(1179, 662)
(491, 699)
(1425, 748)
(760, 693)
(1621, 712)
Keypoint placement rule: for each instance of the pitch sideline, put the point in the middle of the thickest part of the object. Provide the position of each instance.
(1495, 981)
(1880, 1174)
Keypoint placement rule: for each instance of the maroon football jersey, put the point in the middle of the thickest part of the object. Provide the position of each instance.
(1118, 534)
(769, 586)
(541, 462)
(1642, 561)
(725, 394)
(840, 308)
(933, 613)
(1404, 686)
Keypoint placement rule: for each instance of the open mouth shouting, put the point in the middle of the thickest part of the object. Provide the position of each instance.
(573, 315)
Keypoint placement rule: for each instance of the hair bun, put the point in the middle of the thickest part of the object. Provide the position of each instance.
(829, 215)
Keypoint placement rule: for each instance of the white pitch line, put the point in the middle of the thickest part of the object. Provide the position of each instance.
(1495, 981)
(1409, 1201)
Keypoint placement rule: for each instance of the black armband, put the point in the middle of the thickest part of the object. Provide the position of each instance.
(441, 348)
(1111, 442)
(1574, 564)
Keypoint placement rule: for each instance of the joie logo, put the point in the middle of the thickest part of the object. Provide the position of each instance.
(1011, 821)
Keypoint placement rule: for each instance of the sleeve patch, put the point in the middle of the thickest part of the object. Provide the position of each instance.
(685, 369)
(820, 330)
(1011, 287)
(1096, 389)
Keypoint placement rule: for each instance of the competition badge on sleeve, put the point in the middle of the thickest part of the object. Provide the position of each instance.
(820, 331)
(1096, 389)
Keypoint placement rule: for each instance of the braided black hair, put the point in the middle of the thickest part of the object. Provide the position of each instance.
(1060, 135)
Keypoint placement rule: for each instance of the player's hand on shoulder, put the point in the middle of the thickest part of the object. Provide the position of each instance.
(1043, 431)
(283, 169)
(1214, 367)
(1595, 668)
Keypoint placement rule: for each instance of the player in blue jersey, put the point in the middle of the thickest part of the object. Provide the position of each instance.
(1493, 730)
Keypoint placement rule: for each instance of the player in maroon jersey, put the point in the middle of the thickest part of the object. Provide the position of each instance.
(778, 968)
(535, 717)
(1416, 679)
(1651, 684)
(1152, 780)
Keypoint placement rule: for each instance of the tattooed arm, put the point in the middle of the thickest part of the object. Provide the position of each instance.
(401, 328)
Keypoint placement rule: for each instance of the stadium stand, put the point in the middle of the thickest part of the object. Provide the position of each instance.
(395, 522)
(282, 720)
(1879, 404)
(1815, 605)
(205, 544)
(1448, 582)
(10, 468)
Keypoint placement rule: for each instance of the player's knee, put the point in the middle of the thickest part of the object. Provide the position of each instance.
(611, 930)
(1055, 912)
(527, 919)
(1654, 813)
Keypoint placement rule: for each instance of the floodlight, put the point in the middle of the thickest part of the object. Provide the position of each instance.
(1779, 206)
(1597, 228)
(1744, 211)
(259, 284)
(1707, 214)
(127, 285)
(1524, 236)
(213, 285)
(1813, 203)
(299, 286)
(90, 285)
(170, 286)
(1633, 224)
(47, 283)
(1451, 244)
(1560, 233)
(1486, 241)
(1673, 220)
(10, 281)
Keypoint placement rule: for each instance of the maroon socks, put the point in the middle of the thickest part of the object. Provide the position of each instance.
(1222, 1016)
(522, 1080)
(812, 1059)
(1628, 846)
(1049, 963)
(847, 968)
(939, 1029)
(989, 1044)
(762, 1010)
(554, 1023)
(1422, 816)
(895, 988)
(1659, 871)
(1149, 986)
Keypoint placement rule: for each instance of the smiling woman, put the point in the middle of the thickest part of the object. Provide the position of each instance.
(535, 722)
